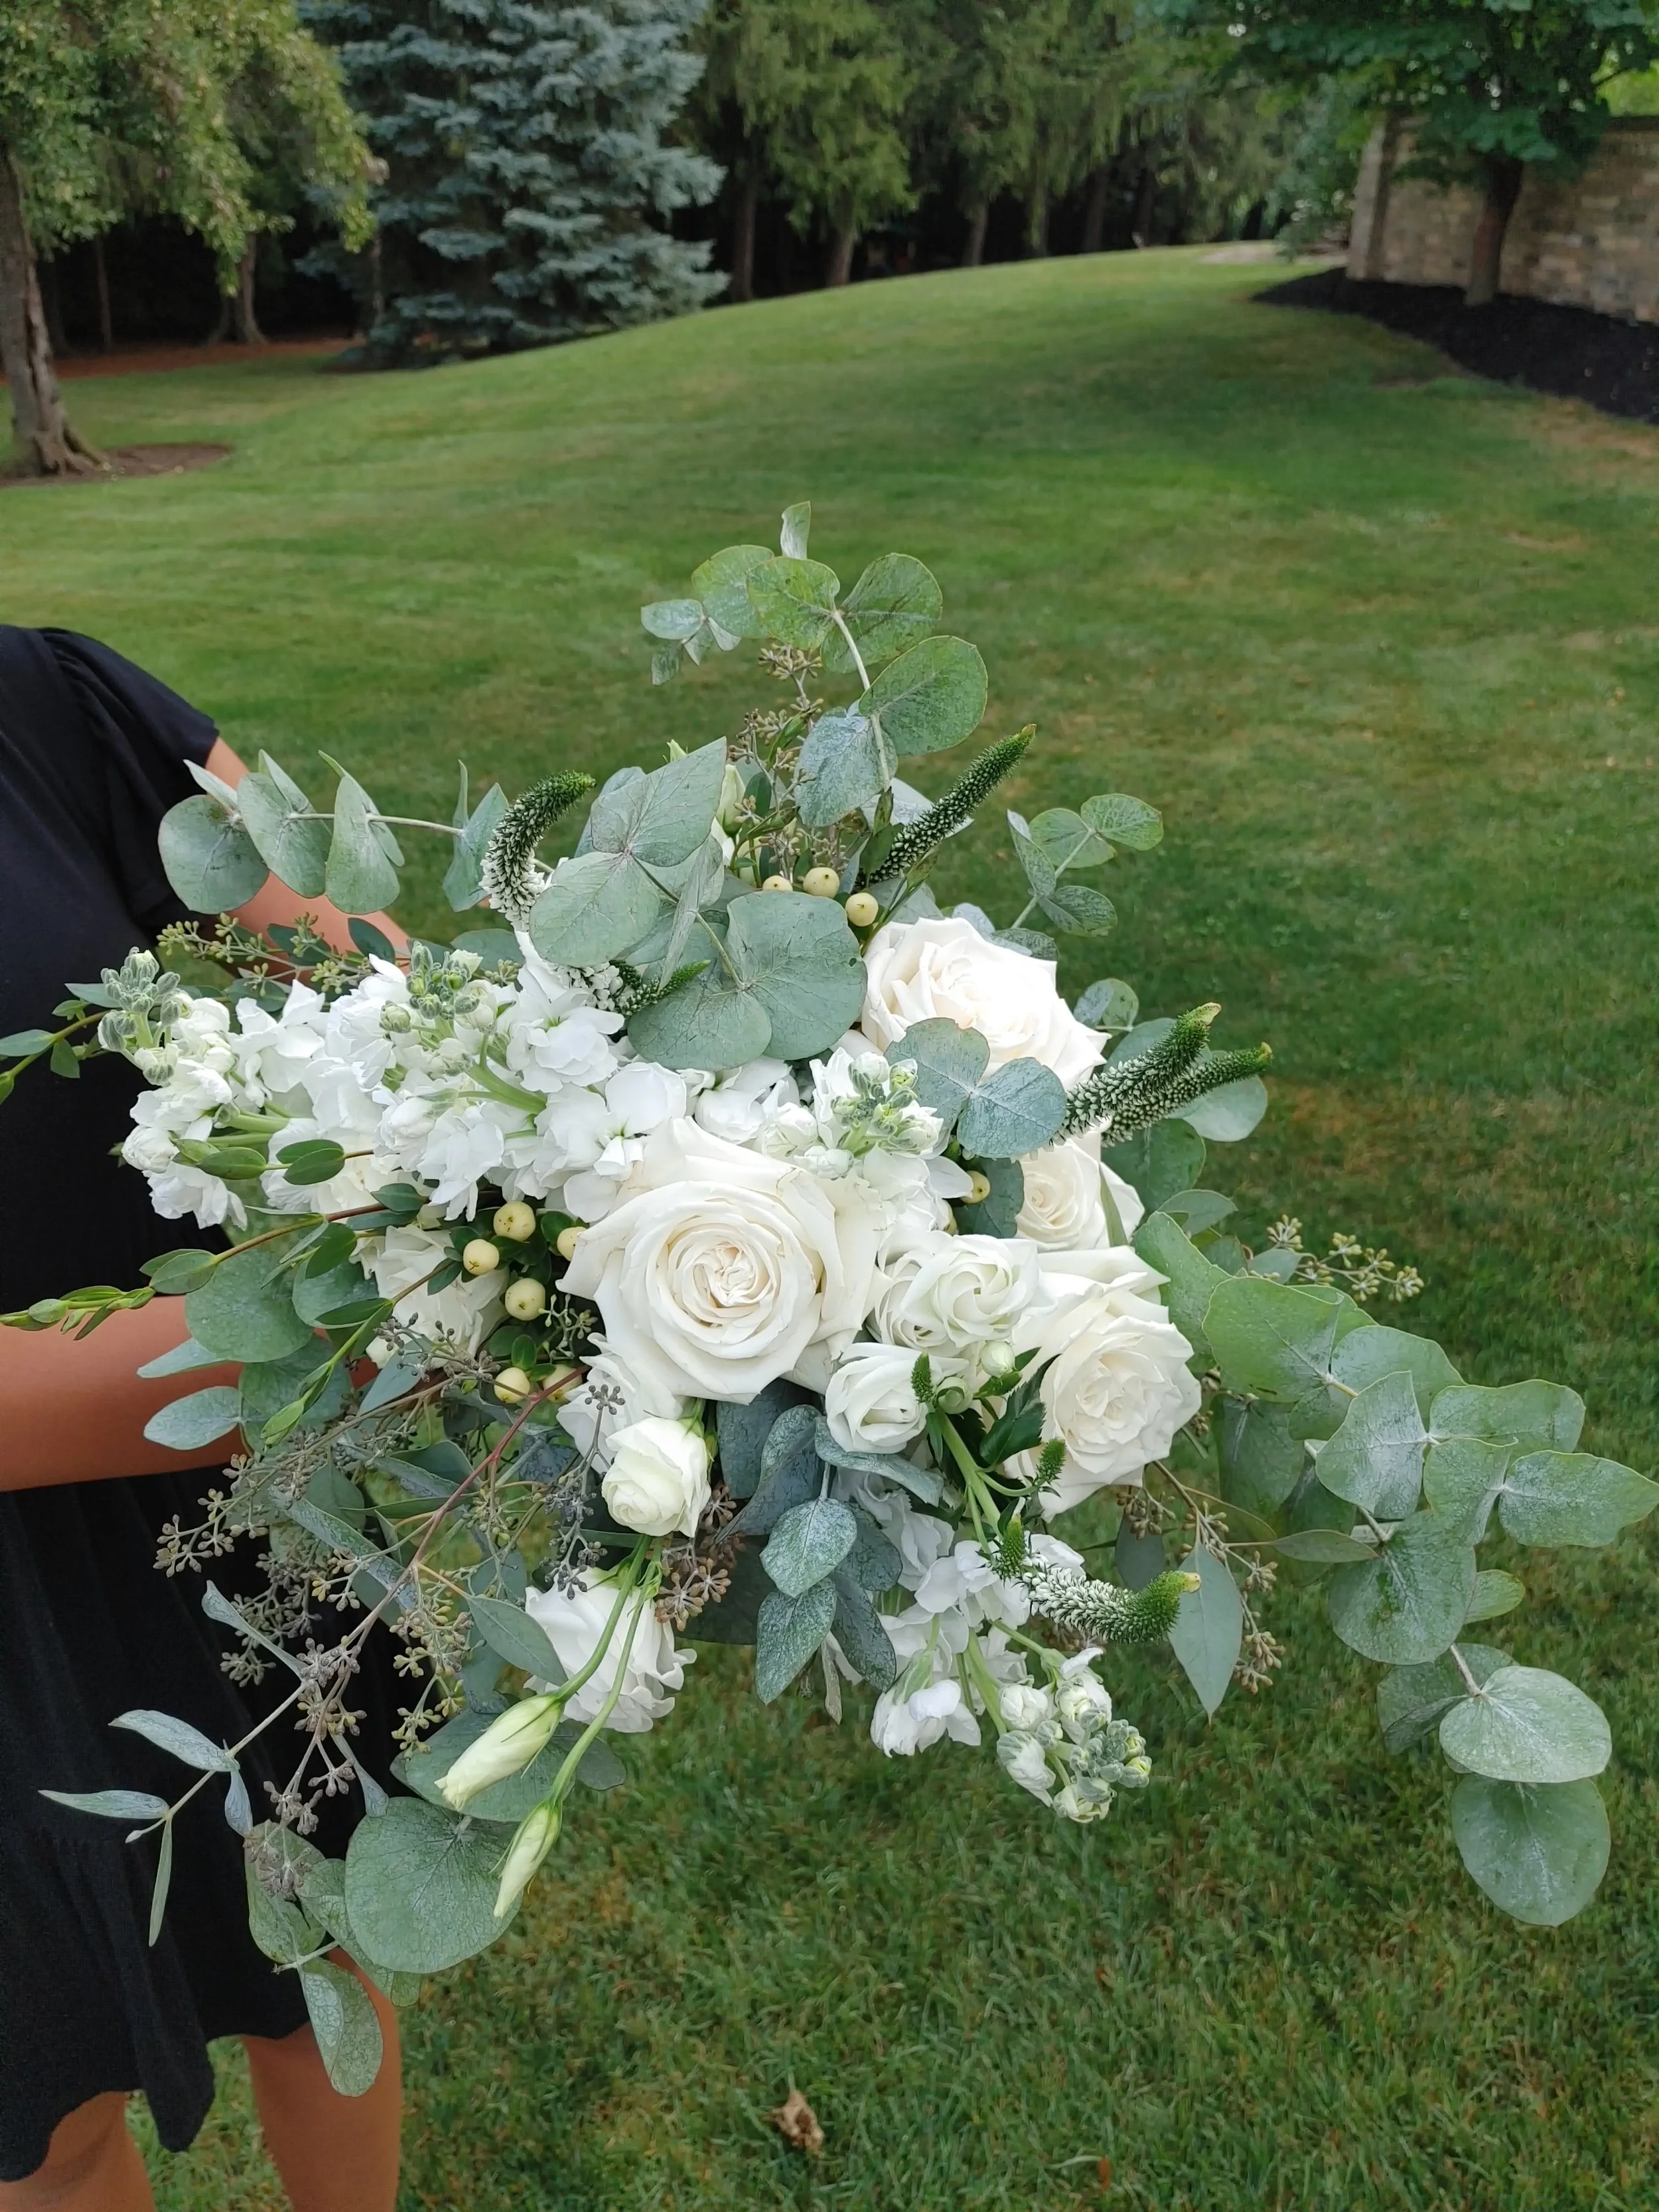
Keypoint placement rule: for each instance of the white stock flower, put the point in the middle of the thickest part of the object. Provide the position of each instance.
(1064, 1208)
(1025, 1706)
(462, 1315)
(1024, 1759)
(944, 969)
(649, 1666)
(1116, 1385)
(949, 1293)
(721, 1270)
(737, 1104)
(870, 1404)
(639, 1099)
(658, 1479)
(555, 1036)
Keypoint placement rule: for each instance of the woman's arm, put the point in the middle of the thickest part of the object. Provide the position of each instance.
(76, 1411)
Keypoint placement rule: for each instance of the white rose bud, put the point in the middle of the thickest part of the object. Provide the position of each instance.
(506, 1748)
(869, 1403)
(535, 1837)
(658, 1479)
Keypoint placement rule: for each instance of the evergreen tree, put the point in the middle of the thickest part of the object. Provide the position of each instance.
(526, 154)
(812, 96)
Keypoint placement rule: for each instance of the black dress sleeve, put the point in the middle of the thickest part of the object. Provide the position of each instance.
(144, 736)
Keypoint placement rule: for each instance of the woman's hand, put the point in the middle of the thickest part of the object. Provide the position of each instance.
(76, 1411)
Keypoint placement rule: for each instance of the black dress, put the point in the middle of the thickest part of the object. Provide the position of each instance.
(93, 752)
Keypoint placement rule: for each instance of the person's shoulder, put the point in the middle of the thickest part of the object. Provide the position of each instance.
(118, 696)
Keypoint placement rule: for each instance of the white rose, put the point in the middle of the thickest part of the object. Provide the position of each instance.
(721, 1270)
(1064, 1208)
(658, 1479)
(650, 1666)
(870, 1405)
(950, 1292)
(1117, 1385)
(944, 969)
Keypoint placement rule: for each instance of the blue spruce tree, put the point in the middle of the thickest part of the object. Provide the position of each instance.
(528, 178)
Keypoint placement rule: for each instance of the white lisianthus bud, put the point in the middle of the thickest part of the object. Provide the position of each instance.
(658, 1479)
(1025, 1706)
(525, 1299)
(506, 1748)
(734, 793)
(480, 1257)
(515, 1221)
(513, 1386)
(998, 1357)
(535, 1837)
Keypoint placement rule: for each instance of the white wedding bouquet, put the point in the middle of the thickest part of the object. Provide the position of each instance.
(726, 1242)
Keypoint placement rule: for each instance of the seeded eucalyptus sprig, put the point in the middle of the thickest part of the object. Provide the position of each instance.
(511, 876)
(1124, 1099)
(916, 844)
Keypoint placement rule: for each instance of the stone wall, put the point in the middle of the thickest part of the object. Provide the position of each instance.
(1593, 242)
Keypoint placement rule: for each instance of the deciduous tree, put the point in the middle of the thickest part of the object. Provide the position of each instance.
(115, 108)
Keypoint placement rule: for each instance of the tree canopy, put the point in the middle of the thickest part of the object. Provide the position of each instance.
(114, 107)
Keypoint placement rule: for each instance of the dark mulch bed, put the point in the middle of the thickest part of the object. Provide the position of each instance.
(1568, 351)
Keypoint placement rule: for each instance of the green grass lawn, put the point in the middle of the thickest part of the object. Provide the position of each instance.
(1381, 642)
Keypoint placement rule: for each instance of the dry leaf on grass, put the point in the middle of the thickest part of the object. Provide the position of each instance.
(797, 2123)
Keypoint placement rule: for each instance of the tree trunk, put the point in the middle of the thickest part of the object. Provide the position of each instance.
(838, 269)
(1094, 213)
(1504, 175)
(44, 444)
(1376, 245)
(106, 322)
(742, 287)
(1036, 223)
(973, 251)
(245, 323)
(51, 299)
(1145, 201)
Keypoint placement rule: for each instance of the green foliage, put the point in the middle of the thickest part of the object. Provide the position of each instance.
(119, 107)
(1483, 80)
(420, 1887)
(1016, 1108)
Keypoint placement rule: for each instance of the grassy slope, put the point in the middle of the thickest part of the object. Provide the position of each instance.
(1380, 643)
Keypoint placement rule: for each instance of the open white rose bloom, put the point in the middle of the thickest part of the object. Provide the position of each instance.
(688, 1254)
